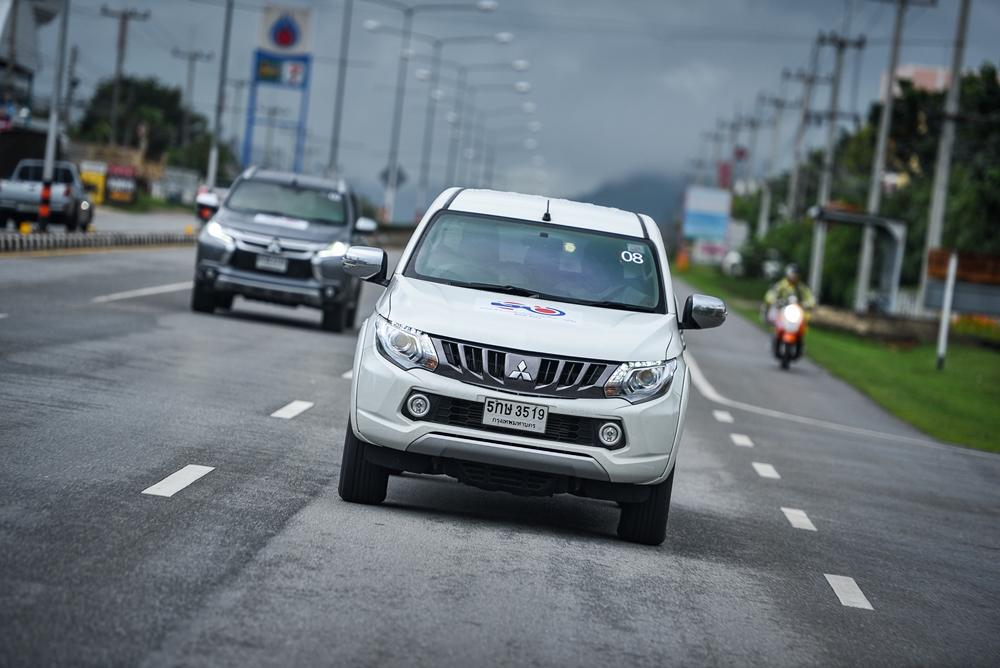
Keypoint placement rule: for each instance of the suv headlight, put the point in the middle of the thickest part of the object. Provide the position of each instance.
(218, 233)
(641, 381)
(336, 249)
(404, 346)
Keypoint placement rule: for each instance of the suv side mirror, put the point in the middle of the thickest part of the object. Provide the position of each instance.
(703, 312)
(206, 204)
(365, 225)
(367, 263)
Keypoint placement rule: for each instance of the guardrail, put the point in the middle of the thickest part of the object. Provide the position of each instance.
(14, 243)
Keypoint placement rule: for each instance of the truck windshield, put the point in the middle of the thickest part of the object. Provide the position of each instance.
(279, 199)
(35, 172)
(539, 260)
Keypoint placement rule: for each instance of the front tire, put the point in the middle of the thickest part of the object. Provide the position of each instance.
(646, 522)
(786, 356)
(334, 318)
(360, 480)
(202, 299)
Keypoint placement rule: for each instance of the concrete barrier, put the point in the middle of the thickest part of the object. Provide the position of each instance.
(15, 243)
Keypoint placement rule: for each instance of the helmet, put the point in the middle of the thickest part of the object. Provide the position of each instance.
(792, 272)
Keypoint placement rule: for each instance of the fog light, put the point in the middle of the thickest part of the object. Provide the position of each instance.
(330, 292)
(610, 434)
(418, 405)
(210, 274)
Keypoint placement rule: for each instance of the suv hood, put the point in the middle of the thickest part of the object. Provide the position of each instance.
(540, 326)
(279, 226)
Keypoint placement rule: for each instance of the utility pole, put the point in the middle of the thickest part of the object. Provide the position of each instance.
(878, 162)
(764, 216)
(840, 44)
(942, 170)
(220, 98)
(239, 85)
(8, 79)
(123, 16)
(715, 137)
(71, 83)
(48, 167)
(456, 128)
(338, 106)
(808, 80)
(192, 58)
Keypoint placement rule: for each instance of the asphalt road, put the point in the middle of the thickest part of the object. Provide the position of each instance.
(106, 392)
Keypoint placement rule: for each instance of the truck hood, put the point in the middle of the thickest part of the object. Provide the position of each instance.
(281, 227)
(540, 326)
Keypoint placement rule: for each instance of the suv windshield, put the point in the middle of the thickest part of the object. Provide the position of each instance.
(539, 260)
(318, 206)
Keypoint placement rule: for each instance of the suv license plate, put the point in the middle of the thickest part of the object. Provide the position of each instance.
(513, 415)
(274, 263)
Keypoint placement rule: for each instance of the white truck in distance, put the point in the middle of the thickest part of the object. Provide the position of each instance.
(526, 345)
(21, 195)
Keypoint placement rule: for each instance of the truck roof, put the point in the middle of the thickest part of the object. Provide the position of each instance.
(289, 178)
(563, 212)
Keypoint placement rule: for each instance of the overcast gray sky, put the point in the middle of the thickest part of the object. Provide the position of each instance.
(621, 87)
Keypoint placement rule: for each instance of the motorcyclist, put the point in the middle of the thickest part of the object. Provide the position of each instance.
(789, 286)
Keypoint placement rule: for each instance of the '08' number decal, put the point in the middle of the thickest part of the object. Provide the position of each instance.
(629, 256)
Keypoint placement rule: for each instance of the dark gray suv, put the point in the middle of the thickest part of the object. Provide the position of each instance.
(280, 237)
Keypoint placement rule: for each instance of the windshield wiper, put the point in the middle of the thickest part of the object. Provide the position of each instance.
(505, 289)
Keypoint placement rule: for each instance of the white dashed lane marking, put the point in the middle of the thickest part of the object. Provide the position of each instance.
(723, 416)
(765, 470)
(848, 591)
(798, 519)
(741, 440)
(141, 292)
(292, 409)
(175, 482)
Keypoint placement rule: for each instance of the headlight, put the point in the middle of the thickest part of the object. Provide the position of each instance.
(640, 381)
(404, 346)
(792, 314)
(336, 249)
(217, 232)
(84, 205)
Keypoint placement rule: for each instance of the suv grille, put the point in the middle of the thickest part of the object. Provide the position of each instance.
(247, 261)
(560, 428)
(522, 372)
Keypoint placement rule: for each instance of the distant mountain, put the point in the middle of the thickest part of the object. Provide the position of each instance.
(657, 195)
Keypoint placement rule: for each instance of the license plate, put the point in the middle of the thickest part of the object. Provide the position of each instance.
(274, 263)
(514, 415)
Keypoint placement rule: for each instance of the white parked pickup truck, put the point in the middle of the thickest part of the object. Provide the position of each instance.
(527, 345)
(21, 194)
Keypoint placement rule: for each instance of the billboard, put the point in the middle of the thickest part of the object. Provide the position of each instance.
(285, 31)
(706, 213)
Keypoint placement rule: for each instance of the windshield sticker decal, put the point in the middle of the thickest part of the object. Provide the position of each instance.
(334, 196)
(268, 219)
(524, 309)
(632, 256)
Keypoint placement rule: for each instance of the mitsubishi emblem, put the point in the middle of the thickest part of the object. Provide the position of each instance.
(274, 246)
(521, 372)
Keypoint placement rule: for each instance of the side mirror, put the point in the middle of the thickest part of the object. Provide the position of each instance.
(703, 312)
(366, 225)
(206, 204)
(367, 263)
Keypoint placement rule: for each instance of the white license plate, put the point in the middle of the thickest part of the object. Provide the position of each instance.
(272, 263)
(514, 415)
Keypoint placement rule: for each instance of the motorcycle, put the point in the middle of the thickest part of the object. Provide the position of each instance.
(789, 330)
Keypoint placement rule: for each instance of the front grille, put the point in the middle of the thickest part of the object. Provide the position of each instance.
(491, 477)
(559, 427)
(247, 261)
(522, 372)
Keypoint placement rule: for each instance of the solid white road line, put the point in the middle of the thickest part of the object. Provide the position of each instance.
(741, 440)
(709, 392)
(723, 416)
(175, 482)
(292, 409)
(141, 292)
(348, 374)
(848, 591)
(766, 471)
(798, 519)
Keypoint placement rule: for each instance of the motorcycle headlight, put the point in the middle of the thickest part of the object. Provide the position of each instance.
(217, 232)
(404, 346)
(792, 314)
(336, 249)
(641, 381)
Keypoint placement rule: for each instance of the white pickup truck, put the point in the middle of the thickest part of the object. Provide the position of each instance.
(21, 194)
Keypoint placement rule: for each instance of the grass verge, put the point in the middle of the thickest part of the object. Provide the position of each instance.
(957, 405)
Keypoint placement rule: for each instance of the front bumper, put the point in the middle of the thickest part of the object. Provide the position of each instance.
(652, 429)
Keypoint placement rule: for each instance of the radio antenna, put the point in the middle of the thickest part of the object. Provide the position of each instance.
(547, 217)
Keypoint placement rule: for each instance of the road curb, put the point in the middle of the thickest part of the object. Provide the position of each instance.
(14, 243)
